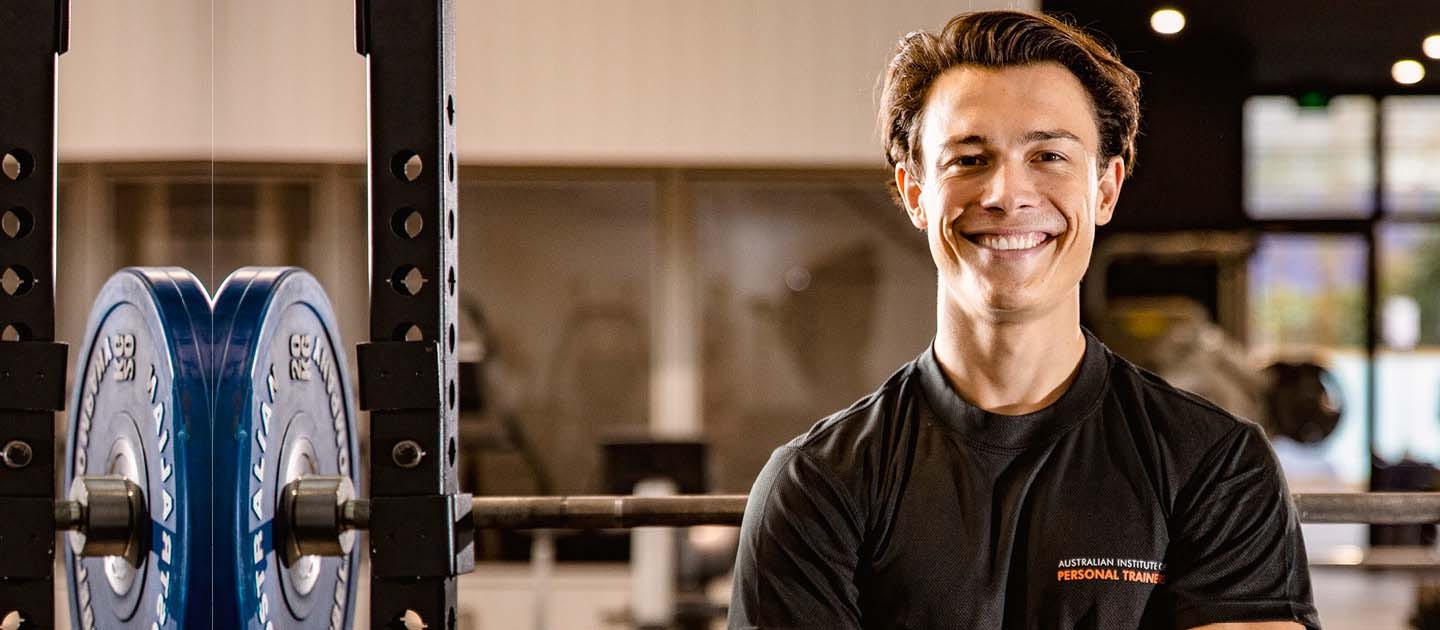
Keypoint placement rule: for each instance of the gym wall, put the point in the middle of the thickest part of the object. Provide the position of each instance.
(268, 97)
(555, 82)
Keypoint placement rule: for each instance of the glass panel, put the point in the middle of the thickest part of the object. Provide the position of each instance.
(213, 228)
(238, 229)
(1307, 304)
(1412, 154)
(554, 290)
(1303, 162)
(813, 294)
(1408, 424)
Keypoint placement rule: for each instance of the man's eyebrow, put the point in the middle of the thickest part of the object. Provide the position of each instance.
(1038, 135)
(1041, 135)
(957, 141)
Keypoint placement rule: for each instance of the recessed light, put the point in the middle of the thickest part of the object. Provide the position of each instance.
(1431, 46)
(1167, 21)
(1407, 72)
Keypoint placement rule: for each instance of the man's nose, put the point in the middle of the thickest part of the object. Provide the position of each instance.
(1008, 188)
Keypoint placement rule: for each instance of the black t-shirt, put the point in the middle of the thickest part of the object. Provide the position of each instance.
(1125, 504)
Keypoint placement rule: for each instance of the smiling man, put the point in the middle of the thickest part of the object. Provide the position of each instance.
(1017, 474)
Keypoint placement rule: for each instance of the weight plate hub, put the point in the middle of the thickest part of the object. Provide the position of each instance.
(141, 410)
(282, 410)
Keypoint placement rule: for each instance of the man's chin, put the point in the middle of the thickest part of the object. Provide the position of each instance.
(999, 303)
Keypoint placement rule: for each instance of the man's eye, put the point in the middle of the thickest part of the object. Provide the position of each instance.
(969, 160)
(1050, 156)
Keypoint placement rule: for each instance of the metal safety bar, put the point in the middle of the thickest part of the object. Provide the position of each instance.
(585, 512)
(619, 511)
(600, 512)
(1375, 508)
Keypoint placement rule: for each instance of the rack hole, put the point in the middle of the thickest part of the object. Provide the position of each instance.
(16, 223)
(408, 332)
(452, 463)
(408, 280)
(16, 280)
(450, 108)
(452, 337)
(451, 281)
(451, 394)
(412, 620)
(17, 164)
(452, 223)
(407, 223)
(450, 166)
(12, 332)
(13, 620)
(407, 166)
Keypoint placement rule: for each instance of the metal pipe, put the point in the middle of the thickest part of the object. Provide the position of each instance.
(602, 512)
(1377, 508)
(105, 515)
(620, 512)
(69, 515)
(585, 512)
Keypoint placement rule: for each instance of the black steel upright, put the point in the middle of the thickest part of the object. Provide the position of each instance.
(421, 536)
(32, 365)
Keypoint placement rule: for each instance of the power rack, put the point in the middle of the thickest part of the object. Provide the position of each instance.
(421, 537)
(33, 34)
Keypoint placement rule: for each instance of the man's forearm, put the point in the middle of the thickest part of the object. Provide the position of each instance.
(1256, 625)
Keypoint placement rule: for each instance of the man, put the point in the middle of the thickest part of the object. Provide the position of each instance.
(1017, 474)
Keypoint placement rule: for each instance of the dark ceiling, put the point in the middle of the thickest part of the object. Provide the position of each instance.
(1194, 86)
(1283, 44)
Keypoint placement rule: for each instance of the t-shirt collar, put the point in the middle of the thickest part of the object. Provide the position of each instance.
(1015, 432)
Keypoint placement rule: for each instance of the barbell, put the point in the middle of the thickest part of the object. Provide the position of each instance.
(317, 509)
(318, 514)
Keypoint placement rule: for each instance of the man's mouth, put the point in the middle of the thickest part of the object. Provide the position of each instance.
(1011, 241)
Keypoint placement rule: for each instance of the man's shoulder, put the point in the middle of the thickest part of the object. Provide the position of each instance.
(1173, 413)
(866, 422)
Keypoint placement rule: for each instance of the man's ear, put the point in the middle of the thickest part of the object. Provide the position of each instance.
(1112, 177)
(909, 188)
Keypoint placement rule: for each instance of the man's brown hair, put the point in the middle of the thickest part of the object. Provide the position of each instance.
(997, 39)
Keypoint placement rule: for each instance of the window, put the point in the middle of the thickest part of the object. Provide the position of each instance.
(1412, 154)
(1311, 163)
(559, 274)
(1408, 364)
(813, 293)
(1307, 304)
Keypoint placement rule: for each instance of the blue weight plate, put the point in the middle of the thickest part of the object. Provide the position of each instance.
(140, 409)
(282, 409)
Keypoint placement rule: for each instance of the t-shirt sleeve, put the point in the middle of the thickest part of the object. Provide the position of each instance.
(798, 549)
(1236, 551)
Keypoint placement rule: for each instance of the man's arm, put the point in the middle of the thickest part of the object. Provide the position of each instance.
(1263, 625)
(798, 549)
(1237, 557)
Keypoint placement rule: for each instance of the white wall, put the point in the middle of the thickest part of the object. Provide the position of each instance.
(136, 82)
(558, 81)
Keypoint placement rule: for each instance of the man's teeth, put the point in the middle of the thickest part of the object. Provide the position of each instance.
(1015, 241)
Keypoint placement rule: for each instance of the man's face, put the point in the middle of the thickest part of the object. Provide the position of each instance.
(1011, 188)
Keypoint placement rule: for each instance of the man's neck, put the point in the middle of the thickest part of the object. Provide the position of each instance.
(1010, 366)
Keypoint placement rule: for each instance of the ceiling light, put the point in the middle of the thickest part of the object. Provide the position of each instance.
(1407, 72)
(1431, 46)
(1167, 21)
